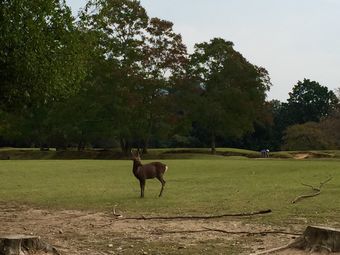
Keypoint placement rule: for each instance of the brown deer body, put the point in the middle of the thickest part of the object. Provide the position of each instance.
(148, 171)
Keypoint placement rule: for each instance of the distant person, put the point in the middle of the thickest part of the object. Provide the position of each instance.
(267, 153)
(263, 153)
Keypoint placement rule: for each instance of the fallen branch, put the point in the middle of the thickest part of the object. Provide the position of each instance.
(181, 231)
(228, 232)
(253, 233)
(199, 217)
(281, 248)
(317, 191)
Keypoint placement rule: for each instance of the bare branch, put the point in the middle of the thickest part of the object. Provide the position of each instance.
(206, 229)
(284, 247)
(199, 217)
(253, 233)
(316, 189)
(307, 185)
(324, 182)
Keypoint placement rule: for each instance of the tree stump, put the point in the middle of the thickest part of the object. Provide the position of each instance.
(317, 239)
(24, 245)
(313, 239)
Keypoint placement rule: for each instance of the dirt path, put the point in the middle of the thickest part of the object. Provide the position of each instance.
(97, 233)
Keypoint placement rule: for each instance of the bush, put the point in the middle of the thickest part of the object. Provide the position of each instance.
(308, 136)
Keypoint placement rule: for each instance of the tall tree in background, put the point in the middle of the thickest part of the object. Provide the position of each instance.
(309, 101)
(119, 27)
(164, 57)
(116, 73)
(143, 54)
(232, 89)
(41, 56)
(42, 60)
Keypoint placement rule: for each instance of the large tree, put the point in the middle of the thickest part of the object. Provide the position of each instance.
(309, 101)
(164, 57)
(139, 55)
(118, 27)
(41, 56)
(231, 90)
(42, 61)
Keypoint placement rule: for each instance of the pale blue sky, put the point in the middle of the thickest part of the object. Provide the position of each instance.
(292, 39)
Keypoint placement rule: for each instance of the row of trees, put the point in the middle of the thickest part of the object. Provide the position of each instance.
(116, 77)
(309, 103)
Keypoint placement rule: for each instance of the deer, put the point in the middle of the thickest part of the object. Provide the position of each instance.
(148, 171)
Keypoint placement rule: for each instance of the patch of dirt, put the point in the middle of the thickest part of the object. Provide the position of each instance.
(301, 155)
(305, 155)
(96, 233)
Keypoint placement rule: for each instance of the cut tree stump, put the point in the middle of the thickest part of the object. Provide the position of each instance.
(317, 238)
(313, 239)
(24, 245)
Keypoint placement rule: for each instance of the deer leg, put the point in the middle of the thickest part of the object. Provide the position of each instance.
(142, 187)
(160, 178)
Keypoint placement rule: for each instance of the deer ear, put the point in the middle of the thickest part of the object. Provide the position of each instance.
(133, 154)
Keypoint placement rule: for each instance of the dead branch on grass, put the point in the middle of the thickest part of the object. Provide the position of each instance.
(206, 229)
(180, 231)
(317, 191)
(199, 217)
(253, 233)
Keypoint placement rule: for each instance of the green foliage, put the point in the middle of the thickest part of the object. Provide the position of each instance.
(311, 135)
(43, 60)
(232, 90)
(309, 101)
(308, 136)
(41, 56)
(330, 126)
(136, 57)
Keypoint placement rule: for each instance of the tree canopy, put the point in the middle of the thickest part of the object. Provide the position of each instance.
(310, 101)
(232, 91)
(117, 77)
(41, 56)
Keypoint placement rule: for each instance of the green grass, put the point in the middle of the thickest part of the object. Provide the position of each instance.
(210, 185)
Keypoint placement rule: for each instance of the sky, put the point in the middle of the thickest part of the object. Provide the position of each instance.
(292, 39)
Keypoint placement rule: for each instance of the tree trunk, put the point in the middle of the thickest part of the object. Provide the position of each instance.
(24, 245)
(213, 144)
(145, 145)
(81, 146)
(125, 146)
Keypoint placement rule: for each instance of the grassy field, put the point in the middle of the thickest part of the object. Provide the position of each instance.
(210, 185)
